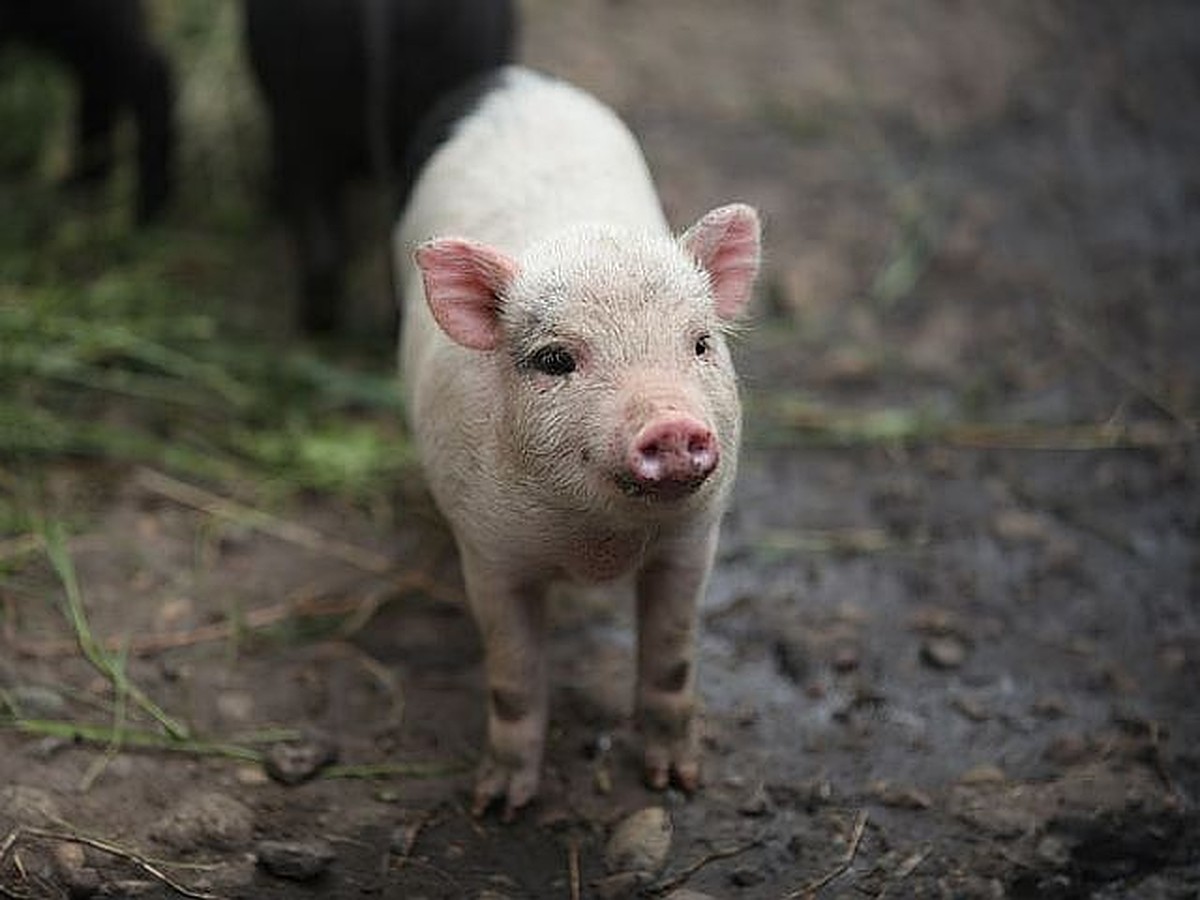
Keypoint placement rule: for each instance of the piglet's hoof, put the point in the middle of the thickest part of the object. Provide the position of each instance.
(515, 783)
(664, 768)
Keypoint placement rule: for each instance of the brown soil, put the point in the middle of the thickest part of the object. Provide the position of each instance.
(962, 662)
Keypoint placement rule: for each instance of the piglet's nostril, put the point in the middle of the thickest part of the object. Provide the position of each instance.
(672, 456)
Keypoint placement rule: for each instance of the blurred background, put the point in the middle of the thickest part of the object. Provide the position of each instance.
(965, 206)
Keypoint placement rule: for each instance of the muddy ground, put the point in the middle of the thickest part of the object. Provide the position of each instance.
(952, 645)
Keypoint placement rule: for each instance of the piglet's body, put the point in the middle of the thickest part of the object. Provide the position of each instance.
(572, 397)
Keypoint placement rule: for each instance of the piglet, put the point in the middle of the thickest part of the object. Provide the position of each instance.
(572, 398)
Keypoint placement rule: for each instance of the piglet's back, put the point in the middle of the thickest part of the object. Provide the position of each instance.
(532, 155)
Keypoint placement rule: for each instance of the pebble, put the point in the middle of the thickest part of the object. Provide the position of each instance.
(758, 803)
(983, 774)
(295, 860)
(71, 862)
(1053, 850)
(1018, 526)
(901, 796)
(744, 876)
(211, 820)
(944, 652)
(688, 894)
(235, 706)
(640, 842)
(971, 708)
(250, 775)
(295, 762)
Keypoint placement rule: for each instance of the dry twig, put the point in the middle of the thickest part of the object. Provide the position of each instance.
(254, 620)
(906, 868)
(1076, 334)
(573, 870)
(664, 887)
(291, 532)
(105, 847)
(856, 835)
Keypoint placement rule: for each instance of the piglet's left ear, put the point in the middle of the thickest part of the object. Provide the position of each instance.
(727, 243)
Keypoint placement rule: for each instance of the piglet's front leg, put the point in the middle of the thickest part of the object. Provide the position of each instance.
(512, 622)
(669, 590)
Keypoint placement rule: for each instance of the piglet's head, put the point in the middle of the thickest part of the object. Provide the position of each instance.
(616, 377)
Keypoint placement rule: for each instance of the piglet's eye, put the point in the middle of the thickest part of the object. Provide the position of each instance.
(553, 360)
(703, 344)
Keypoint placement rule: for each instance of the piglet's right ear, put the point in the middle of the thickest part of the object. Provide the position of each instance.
(464, 281)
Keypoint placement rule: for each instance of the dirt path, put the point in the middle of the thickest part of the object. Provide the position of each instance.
(953, 641)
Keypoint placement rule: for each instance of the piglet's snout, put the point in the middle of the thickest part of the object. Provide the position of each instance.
(671, 457)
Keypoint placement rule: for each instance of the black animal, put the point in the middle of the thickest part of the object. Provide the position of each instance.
(346, 83)
(106, 46)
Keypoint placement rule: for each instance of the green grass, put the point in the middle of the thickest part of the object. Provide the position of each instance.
(163, 346)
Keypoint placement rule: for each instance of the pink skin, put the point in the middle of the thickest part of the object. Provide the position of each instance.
(620, 467)
(670, 457)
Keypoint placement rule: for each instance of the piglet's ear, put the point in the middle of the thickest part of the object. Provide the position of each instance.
(726, 242)
(463, 285)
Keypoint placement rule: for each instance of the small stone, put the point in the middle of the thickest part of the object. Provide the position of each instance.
(1053, 850)
(1020, 526)
(251, 775)
(71, 863)
(758, 803)
(295, 860)
(983, 774)
(688, 894)
(744, 876)
(640, 842)
(901, 796)
(235, 706)
(944, 652)
(175, 613)
(207, 820)
(298, 761)
(602, 780)
(971, 708)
